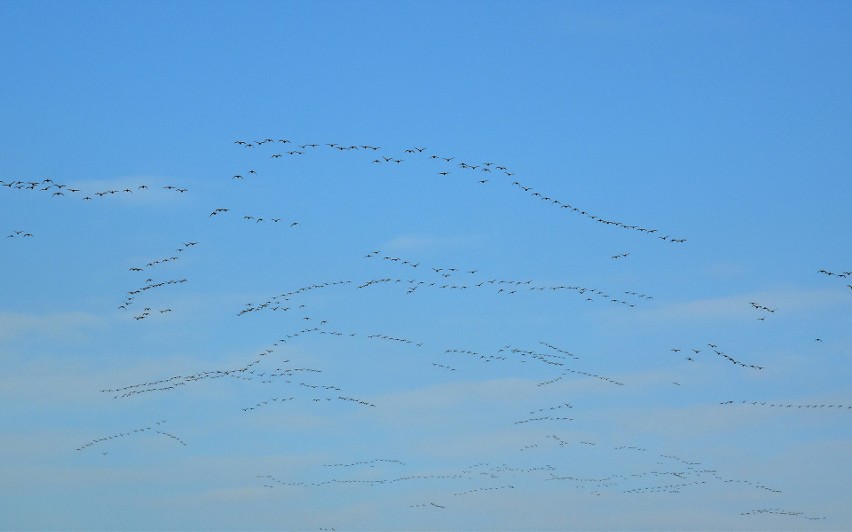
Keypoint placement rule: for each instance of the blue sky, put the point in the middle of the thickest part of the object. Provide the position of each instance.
(587, 297)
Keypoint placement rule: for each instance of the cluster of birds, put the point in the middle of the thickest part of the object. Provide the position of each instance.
(394, 339)
(715, 349)
(485, 476)
(779, 511)
(785, 405)
(247, 373)
(282, 374)
(551, 363)
(59, 189)
(469, 168)
(153, 263)
(371, 463)
(758, 306)
(500, 286)
(841, 275)
(149, 285)
(132, 432)
(424, 505)
(543, 418)
(551, 408)
(251, 218)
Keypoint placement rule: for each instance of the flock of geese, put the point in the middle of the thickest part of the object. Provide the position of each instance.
(293, 386)
(446, 165)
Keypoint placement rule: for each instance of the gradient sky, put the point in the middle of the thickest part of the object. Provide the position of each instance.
(624, 326)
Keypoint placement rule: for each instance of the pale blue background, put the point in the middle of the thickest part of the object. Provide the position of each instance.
(728, 124)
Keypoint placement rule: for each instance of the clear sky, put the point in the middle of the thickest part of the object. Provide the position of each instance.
(501, 265)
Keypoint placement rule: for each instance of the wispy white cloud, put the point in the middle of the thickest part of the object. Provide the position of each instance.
(70, 326)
